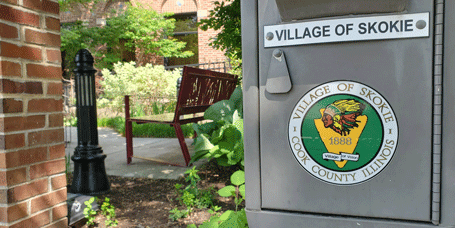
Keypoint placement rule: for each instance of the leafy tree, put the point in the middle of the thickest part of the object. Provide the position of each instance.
(137, 27)
(226, 18)
(74, 37)
(66, 4)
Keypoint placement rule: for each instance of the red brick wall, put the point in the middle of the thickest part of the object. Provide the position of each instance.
(178, 6)
(32, 164)
(206, 52)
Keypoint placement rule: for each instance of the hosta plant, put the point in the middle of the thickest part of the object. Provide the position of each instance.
(222, 138)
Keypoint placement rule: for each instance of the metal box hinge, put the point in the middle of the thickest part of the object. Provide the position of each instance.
(437, 111)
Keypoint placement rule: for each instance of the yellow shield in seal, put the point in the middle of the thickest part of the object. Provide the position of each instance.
(337, 144)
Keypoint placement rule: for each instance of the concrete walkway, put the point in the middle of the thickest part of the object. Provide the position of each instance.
(114, 146)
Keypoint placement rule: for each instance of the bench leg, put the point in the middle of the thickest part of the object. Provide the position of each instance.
(129, 141)
(183, 146)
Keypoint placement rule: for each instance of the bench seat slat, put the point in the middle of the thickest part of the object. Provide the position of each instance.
(195, 109)
(192, 120)
(181, 121)
(143, 121)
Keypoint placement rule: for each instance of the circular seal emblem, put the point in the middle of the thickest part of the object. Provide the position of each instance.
(343, 132)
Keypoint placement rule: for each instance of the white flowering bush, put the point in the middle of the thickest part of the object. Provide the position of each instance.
(151, 82)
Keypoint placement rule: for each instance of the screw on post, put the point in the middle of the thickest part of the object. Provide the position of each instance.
(89, 175)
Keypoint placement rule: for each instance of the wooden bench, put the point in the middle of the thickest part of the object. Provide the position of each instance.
(199, 89)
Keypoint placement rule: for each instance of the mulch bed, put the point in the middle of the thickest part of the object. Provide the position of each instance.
(143, 202)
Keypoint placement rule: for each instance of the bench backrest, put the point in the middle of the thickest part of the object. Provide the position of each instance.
(201, 88)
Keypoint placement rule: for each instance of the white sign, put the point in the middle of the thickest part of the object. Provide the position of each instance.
(350, 29)
(340, 157)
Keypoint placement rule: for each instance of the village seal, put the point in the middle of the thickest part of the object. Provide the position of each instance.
(343, 132)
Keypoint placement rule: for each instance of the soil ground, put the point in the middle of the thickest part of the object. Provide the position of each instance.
(143, 202)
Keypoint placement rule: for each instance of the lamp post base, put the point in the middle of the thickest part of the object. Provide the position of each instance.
(89, 176)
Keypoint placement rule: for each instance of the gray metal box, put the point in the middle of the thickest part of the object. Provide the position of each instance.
(344, 113)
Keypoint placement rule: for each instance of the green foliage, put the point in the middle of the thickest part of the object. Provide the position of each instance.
(68, 166)
(193, 178)
(116, 123)
(89, 213)
(225, 17)
(137, 27)
(159, 130)
(149, 31)
(71, 121)
(66, 4)
(107, 209)
(188, 199)
(74, 36)
(214, 209)
(185, 25)
(237, 190)
(191, 196)
(148, 82)
(237, 69)
(221, 139)
(145, 130)
(230, 218)
(176, 214)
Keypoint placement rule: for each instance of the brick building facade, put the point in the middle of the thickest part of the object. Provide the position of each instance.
(32, 153)
(32, 163)
(198, 9)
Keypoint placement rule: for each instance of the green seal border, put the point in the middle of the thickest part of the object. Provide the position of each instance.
(343, 87)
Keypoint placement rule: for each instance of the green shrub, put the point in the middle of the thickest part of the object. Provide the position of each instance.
(145, 130)
(143, 81)
(116, 123)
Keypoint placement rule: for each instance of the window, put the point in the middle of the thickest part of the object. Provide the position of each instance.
(186, 31)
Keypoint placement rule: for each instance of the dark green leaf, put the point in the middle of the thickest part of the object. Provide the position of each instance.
(199, 155)
(232, 134)
(223, 161)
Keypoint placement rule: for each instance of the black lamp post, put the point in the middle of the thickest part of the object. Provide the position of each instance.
(89, 170)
